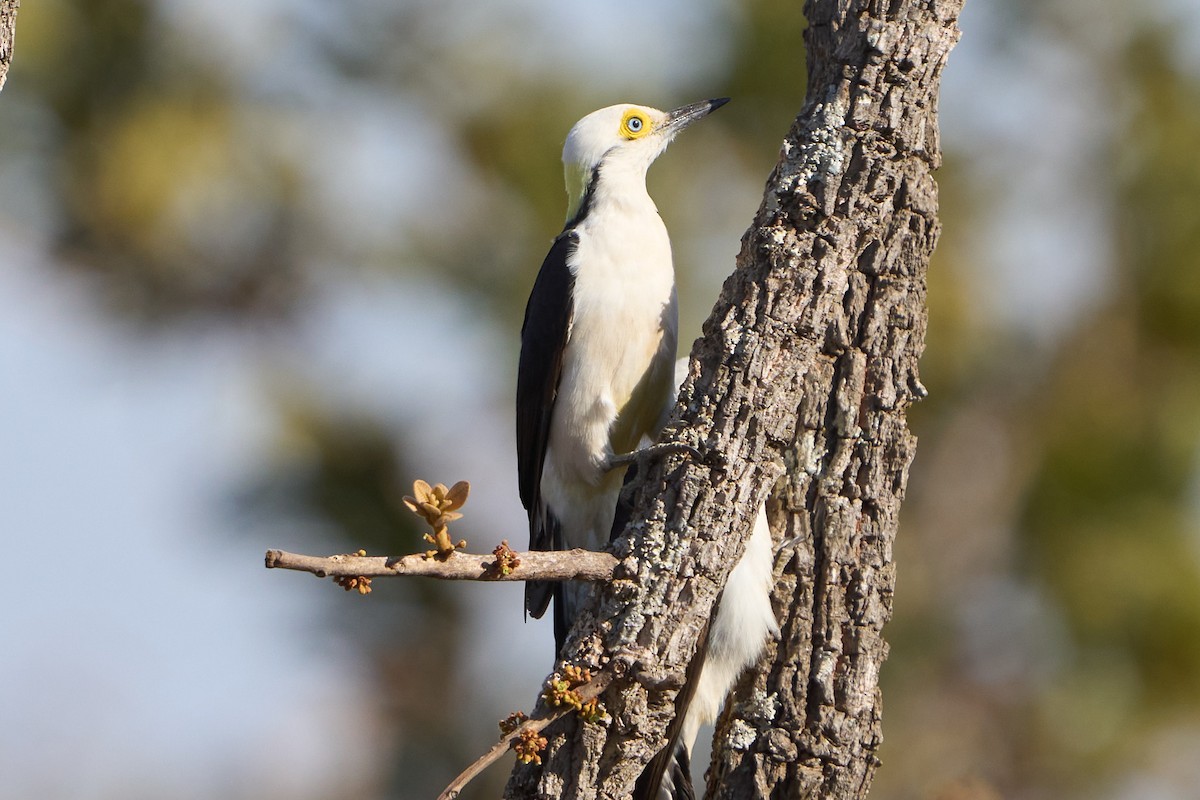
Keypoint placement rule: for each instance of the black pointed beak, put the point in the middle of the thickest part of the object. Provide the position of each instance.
(680, 118)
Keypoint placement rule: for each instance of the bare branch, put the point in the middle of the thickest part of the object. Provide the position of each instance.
(438, 506)
(566, 565)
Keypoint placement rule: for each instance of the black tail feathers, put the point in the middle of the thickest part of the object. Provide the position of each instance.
(668, 776)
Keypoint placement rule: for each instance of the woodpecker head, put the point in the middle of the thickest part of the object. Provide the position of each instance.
(625, 138)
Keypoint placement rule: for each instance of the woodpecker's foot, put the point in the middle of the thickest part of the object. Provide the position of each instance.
(786, 547)
(653, 451)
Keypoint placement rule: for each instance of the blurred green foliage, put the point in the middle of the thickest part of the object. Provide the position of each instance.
(1110, 521)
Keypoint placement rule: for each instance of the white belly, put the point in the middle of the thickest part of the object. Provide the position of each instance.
(740, 627)
(623, 296)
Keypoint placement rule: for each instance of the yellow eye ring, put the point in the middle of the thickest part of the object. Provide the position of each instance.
(634, 124)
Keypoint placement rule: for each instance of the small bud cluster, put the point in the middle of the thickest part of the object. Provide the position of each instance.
(529, 747)
(563, 690)
(512, 722)
(577, 676)
(506, 560)
(360, 583)
(592, 711)
(559, 693)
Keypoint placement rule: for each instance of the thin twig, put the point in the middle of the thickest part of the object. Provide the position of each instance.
(587, 691)
(565, 565)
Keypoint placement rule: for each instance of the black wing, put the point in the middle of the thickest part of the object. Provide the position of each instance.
(543, 342)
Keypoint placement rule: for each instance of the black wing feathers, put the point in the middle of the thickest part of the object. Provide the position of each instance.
(543, 342)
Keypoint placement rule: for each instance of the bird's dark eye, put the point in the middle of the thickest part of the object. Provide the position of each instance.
(634, 124)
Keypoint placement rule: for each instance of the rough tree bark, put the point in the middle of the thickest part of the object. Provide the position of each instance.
(8, 25)
(798, 389)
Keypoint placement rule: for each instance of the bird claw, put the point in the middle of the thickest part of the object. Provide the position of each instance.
(654, 450)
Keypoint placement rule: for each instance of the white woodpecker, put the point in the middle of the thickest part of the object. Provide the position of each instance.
(596, 381)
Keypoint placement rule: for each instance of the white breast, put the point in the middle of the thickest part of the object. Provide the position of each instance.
(624, 284)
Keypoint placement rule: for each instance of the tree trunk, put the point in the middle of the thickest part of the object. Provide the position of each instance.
(798, 388)
(8, 25)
